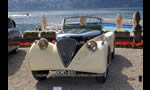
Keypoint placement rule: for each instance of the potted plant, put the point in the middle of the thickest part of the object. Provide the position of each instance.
(48, 34)
(31, 34)
(122, 33)
(107, 30)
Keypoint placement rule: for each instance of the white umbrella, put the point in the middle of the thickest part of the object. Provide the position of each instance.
(82, 20)
(44, 23)
(119, 20)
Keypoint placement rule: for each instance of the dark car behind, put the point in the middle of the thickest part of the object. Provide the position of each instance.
(14, 36)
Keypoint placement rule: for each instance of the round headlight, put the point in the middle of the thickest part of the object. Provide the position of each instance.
(43, 43)
(92, 45)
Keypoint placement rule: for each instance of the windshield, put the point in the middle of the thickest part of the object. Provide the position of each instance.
(10, 25)
(82, 23)
(81, 20)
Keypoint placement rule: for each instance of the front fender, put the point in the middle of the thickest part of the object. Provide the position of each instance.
(84, 60)
(110, 38)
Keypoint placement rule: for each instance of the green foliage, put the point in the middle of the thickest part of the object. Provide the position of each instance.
(107, 30)
(31, 32)
(48, 31)
(35, 31)
(121, 31)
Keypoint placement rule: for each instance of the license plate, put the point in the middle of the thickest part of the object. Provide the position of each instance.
(65, 73)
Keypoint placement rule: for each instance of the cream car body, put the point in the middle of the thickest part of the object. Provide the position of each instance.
(83, 60)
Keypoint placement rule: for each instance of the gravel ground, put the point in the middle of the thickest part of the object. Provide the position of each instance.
(124, 74)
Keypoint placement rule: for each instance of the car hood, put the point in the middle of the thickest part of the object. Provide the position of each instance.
(79, 36)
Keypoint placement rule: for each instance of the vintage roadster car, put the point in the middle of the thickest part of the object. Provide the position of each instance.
(14, 36)
(82, 48)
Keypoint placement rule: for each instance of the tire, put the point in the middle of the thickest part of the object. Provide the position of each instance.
(15, 51)
(113, 53)
(40, 75)
(102, 79)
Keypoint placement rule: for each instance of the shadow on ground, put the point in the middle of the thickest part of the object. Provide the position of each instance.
(15, 60)
(116, 79)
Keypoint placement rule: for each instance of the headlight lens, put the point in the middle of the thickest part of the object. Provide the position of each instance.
(92, 45)
(43, 43)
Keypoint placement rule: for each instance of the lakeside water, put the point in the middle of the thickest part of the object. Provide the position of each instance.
(54, 18)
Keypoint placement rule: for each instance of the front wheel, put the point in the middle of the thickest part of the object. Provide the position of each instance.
(102, 79)
(15, 51)
(40, 75)
(113, 53)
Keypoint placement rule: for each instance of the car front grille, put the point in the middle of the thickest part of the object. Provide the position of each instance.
(66, 49)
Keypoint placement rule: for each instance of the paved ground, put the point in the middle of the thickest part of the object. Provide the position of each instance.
(124, 73)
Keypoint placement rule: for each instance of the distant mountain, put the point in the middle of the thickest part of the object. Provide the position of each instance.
(30, 5)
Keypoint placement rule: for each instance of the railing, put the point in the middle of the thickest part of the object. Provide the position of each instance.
(125, 21)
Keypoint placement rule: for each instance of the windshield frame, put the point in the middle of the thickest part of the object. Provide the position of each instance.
(77, 25)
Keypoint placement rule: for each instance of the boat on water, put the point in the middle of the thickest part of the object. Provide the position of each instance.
(28, 14)
(19, 15)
